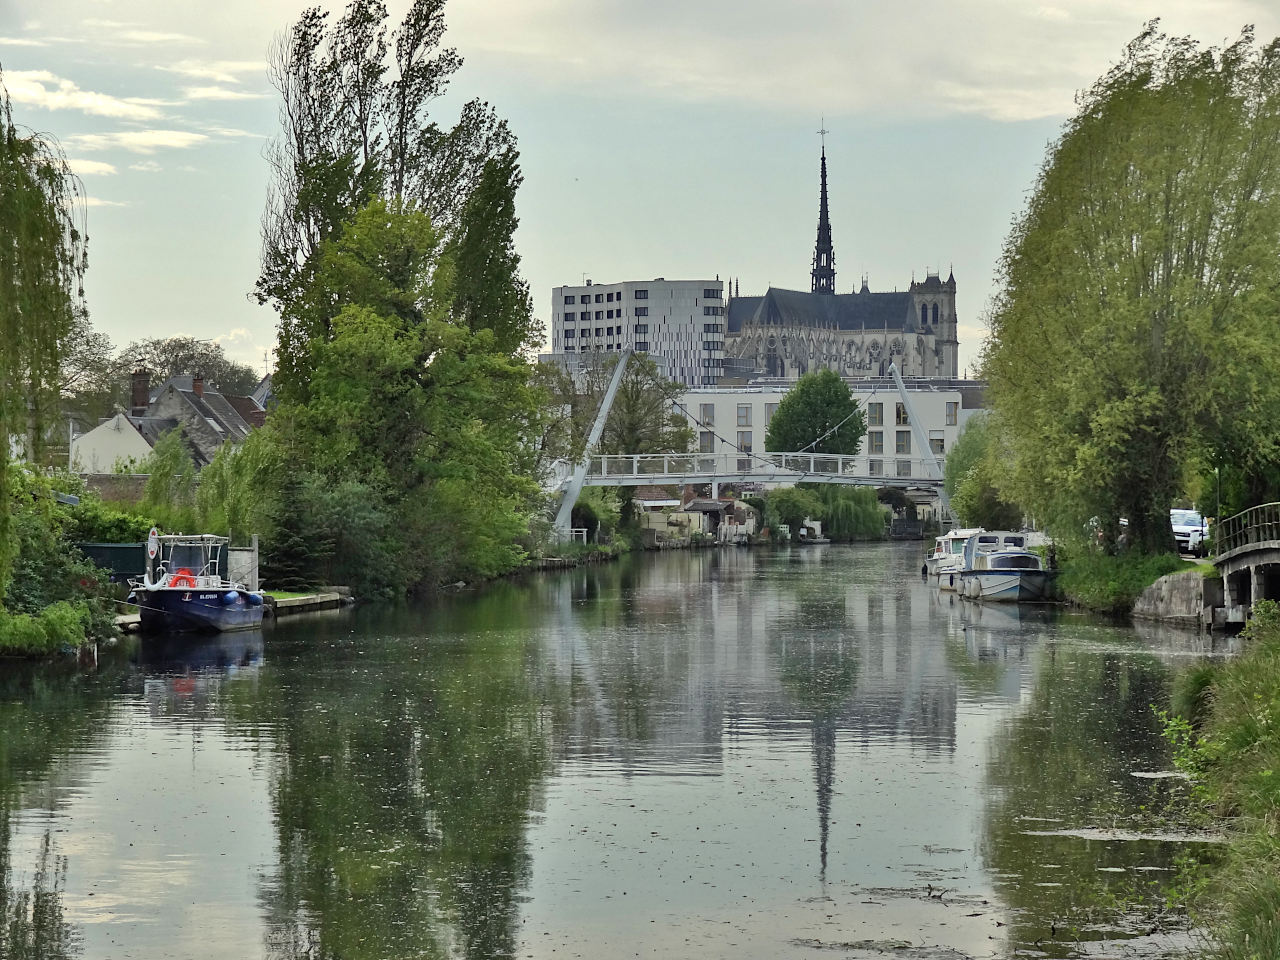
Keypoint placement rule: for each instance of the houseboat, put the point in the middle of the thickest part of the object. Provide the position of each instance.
(945, 560)
(998, 566)
(183, 590)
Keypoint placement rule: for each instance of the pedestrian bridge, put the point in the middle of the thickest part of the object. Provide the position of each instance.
(1246, 551)
(634, 470)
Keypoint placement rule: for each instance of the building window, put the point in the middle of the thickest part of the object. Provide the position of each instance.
(608, 331)
(876, 444)
(924, 313)
(712, 345)
(710, 294)
(875, 468)
(599, 298)
(935, 313)
(713, 328)
(706, 442)
(904, 468)
(608, 314)
(903, 444)
(744, 441)
(937, 445)
(744, 414)
(875, 414)
(769, 410)
(609, 297)
(707, 414)
(599, 331)
(708, 381)
(568, 299)
(585, 332)
(599, 314)
(570, 317)
(712, 311)
(902, 415)
(642, 346)
(569, 334)
(642, 311)
(953, 411)
(641, 328)
(641, 294)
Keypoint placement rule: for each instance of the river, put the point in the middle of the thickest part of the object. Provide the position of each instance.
(741, 753)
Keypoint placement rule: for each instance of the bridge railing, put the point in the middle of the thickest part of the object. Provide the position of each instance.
(1255, 525)
(733, 463)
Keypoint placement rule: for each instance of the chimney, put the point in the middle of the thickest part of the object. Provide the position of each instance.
(197, 385)
(140, 394)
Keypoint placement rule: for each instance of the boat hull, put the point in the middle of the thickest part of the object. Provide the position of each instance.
(1008, 586)
(196, 611)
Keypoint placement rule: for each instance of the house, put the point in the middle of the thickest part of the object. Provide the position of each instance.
(207, 419)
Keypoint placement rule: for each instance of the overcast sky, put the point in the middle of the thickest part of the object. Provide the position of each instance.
(672, 138)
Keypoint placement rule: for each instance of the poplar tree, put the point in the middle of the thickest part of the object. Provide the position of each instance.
(1139, 305)
(42, 263)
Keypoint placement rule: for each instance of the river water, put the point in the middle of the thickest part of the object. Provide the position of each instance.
(801, 753)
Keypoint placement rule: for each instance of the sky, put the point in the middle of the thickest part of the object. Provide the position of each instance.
(658, 138)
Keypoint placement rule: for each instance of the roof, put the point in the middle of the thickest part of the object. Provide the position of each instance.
(843, 311)
(248, 409)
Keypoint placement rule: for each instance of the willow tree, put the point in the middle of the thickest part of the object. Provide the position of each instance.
(42, 263)
(1139, 306)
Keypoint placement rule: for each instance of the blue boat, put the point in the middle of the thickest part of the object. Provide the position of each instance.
(182, 589)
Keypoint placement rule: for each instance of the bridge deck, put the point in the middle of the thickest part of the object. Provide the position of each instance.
(735, 467)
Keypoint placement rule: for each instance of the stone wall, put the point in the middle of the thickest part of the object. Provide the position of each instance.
(1177, 597)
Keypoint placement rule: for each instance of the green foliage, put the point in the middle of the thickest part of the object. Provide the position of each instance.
(1111, 584)
(818, 406)
(236, 490)
(850, 513)
(169, 494)
(93, 521)
(1125, 343)
(643, 418)
(42, 263)
(488, 290)
(1237, 761)
(972, 467)
(165, 357)
(791, 505)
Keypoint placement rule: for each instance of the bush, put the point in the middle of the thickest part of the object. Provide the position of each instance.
(60, 626)
(1111, 584)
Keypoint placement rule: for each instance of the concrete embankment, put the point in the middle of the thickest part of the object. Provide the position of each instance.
(1187, 599)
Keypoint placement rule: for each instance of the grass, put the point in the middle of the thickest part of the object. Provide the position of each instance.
(292, 594)
(1236, 759)
(1112, 584)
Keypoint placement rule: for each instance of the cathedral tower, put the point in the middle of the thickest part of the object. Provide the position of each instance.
(824, 257)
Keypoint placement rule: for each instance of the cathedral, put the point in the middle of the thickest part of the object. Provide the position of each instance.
(788, 333)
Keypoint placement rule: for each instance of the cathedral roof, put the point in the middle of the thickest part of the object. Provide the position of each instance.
(844, 311)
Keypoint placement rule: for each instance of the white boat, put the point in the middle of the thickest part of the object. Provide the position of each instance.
(998, 566)
(946, 558)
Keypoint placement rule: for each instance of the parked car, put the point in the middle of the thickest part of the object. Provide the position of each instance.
(1190, 530)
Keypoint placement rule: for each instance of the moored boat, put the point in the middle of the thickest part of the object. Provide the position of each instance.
(998, 566)
(183, 589)
(945, 560)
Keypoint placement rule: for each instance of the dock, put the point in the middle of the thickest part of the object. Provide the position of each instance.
(272, 607)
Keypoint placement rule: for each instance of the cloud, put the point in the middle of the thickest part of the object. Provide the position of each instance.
(146, 166)
(219, 93)
(22, 42)
(133, 34)
(45, 90)
(99, 202)
(218, 71)
(137, 141)
(91, 168)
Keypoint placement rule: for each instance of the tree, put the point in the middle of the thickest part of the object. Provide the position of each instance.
(356, 127)
(488, 290)
(818, 414)
(88, 381)
(969, 478)
(1137, 287)
(644, 417)
(167, 357)
(42, 263)
(791, 505)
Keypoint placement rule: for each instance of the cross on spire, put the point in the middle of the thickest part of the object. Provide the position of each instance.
(823, 134)
(824, 257)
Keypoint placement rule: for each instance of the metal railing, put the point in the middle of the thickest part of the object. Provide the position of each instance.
(655, 467)
(1256, 525)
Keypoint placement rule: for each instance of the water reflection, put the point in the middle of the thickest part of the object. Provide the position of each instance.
(729, 752)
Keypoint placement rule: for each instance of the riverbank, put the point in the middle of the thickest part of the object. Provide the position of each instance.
(1229, 743)
(1112, 584)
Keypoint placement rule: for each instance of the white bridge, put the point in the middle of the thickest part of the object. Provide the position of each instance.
(740, 466)
(633, 470)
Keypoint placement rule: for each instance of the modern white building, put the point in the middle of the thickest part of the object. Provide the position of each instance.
(680, 321)
(729, 419)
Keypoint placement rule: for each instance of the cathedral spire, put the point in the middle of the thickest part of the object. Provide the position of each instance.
(824, 257)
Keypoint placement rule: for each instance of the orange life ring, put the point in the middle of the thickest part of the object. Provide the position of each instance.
(182, 578)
